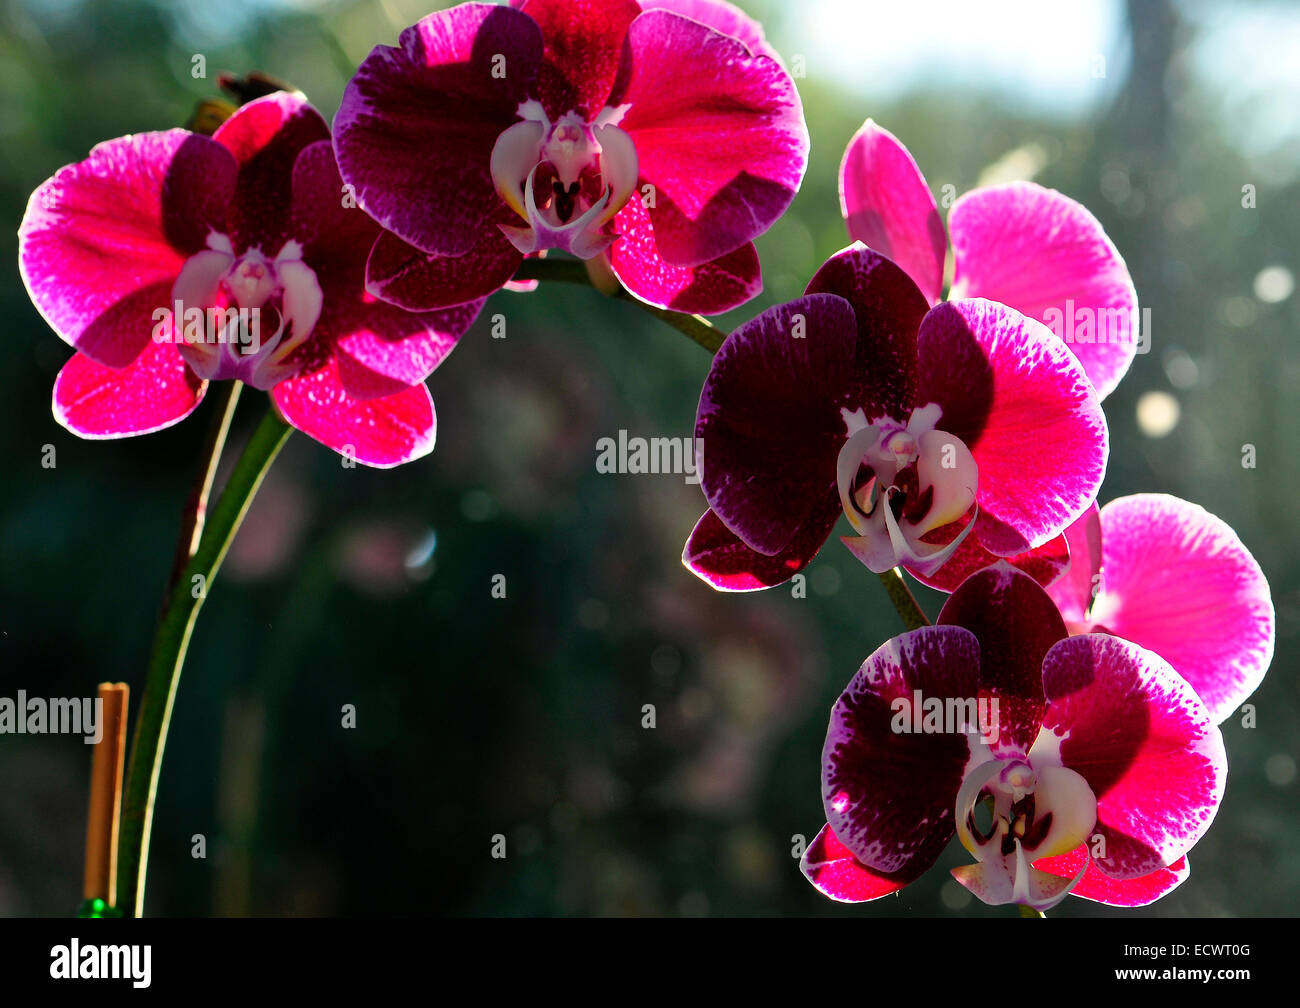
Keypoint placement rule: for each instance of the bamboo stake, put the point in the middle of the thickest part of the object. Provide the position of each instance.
(106, 797)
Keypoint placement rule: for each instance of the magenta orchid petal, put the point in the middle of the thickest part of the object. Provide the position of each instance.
(415, 131)
(890, 796)
(121, 223)
(1016, 624)
(1073, 593)
(1099, 887)
(719, 134)
(707, 289)
(888, 207)
(1179, 581)
(1005, 384)
(888, 310)
(720, 16)
(771, 418)
(1046, 256)
(585, 41)
(720, 559)
(1045, 564)
(266, 137)
(403, 275)
(1120, 716)
(376, 432)
(155, 391)
(382, 349)
(832, 868)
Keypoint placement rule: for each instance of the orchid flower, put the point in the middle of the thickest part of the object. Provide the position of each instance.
(660, 139)
(1028, 247)
(1168, 575)
(1099, 770)
(925, 426)
(171, 259)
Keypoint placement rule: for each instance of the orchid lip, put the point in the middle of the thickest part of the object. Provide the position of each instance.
(580, 159)
(1035, 812)
(241, 297)
(918, 479)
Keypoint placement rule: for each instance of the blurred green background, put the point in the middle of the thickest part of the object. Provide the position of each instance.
(522, 716)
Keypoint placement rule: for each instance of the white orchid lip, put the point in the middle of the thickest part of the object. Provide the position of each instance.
(900, 482)
(1035, 812)
(239, 294)
(579, 159)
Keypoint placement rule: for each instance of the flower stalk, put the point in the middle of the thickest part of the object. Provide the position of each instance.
(171, 642)
(904, 601)
(696, 327)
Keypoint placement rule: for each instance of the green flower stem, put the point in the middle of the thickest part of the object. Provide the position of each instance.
(904, 602)
(1030, 912)
(168, 655)
(196, 508)
(697, 327)
(709, 336)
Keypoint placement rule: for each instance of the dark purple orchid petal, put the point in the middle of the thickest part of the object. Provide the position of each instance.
(1073, 593)
(888, 207)
(1016, 624)
(1044, 564)
(376, 432)
(1008, 387)
(833, 869)
(335, 233)
(382, 349)
(402, 275)
(719, 558)
(1120, 716)
(103, 241)
(155, 391)
(719, 133)
(1099, 887)
(888, 309)
(890, 794)
(1045, 255)
(197, 190)
(585, 42)
(707, 289)
(720, 16)
(266, 136)
(415, 130)
(771, 418)
(1179, 581)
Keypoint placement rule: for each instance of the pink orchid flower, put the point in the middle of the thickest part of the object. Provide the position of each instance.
(1026, 246)
(925, 426)
(659, 137)
(1168, 575)
(1098, 768)
(171, 259)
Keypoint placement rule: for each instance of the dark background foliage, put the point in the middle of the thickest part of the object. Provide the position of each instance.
(479, 716)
